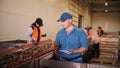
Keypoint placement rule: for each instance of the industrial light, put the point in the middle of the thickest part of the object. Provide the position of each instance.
(106, 10)
(106, 3)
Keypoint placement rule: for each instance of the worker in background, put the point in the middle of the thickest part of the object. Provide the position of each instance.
(86, 31)
(100, 31)
(88, 55)
(34, 33)
(71, 40)
(94, 42)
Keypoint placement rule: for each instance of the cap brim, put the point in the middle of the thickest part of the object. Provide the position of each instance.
(58, 20)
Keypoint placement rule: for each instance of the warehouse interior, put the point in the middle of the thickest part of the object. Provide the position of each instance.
(16, 16)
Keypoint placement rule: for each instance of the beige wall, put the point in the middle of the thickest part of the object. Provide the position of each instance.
(87, 18)
(17, 15)
(109, 21)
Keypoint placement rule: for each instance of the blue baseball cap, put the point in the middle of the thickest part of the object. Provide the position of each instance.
(65, 16)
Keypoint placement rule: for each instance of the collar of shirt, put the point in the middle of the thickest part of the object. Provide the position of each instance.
(73, 29)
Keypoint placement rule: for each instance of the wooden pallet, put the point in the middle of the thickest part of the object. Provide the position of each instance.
(108, 60)
(97, 60)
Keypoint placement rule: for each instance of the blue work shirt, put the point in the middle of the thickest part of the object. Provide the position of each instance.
(73, 41)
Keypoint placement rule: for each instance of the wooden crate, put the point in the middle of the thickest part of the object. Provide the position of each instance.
(111, 33)
(109, 49)
(109, 39)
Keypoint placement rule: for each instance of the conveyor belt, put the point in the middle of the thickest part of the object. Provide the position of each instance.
(22, 54)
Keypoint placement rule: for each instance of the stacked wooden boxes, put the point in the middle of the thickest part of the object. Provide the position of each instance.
(114, 34)
(109, 48)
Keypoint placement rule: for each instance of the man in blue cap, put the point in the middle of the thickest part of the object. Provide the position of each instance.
(71, 40)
